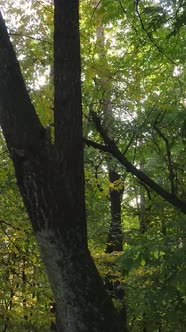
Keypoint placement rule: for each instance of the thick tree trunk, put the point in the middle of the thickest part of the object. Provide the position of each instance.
(51, 179)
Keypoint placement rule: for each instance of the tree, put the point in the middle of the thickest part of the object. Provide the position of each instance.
(144, 63)
(50, 176)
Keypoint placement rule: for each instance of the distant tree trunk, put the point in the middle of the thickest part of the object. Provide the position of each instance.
(115, 236)
(142, 212)
(142, 204)
(51, 178)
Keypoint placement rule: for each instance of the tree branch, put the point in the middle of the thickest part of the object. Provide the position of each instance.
(18, 117)
(116, 153)
(96, 145)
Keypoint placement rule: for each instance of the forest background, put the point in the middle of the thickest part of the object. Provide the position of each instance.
(134, 99)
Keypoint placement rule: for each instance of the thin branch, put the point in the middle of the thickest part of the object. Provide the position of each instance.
(96, 145)
(4, 222)
(95, 8)
(11, 241)
(129, 143)
(30, 37)
(169, 158)
(3, 152)
(150, 36)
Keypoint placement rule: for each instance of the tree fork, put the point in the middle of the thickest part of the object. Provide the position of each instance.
(51, 178)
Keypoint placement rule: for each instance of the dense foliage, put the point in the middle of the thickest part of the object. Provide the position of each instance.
(133, 61)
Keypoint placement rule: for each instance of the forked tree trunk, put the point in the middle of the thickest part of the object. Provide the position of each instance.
(51, 178)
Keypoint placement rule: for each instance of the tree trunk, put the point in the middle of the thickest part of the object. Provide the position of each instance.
(51, 178)
(142, 210)
(115, 237)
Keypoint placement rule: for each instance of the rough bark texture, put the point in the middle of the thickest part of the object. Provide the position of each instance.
(51, 179)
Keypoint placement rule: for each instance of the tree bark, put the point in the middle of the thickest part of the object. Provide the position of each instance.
(51, 178)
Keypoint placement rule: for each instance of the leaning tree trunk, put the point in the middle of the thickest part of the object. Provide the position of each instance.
(51, 178)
